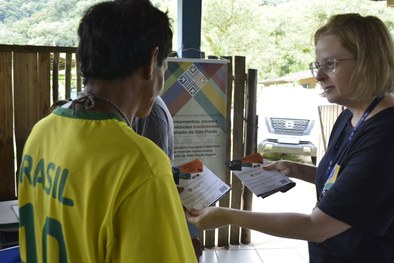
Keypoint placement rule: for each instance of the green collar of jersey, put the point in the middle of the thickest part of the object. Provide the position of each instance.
(86, 115)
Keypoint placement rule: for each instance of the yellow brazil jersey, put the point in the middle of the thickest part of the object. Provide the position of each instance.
(92, 190)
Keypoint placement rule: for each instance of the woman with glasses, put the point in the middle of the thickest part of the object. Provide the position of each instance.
(353, 220)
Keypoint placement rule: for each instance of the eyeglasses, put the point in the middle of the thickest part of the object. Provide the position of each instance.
(328, 65)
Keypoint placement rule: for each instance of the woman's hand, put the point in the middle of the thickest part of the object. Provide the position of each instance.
(292, 169)
(208, 218)
(284, 167)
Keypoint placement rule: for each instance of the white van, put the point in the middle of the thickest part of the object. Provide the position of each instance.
(288, 120)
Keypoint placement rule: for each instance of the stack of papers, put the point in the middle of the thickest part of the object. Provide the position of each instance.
(262, 183)
(198, 186)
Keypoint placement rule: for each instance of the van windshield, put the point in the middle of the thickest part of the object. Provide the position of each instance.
(289, 102)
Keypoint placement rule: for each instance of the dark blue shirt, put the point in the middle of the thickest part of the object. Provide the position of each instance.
(363, 194)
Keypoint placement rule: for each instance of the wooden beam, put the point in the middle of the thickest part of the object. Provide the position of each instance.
(35, 49)
(390, 3)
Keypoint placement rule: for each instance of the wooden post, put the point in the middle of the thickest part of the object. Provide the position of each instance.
(7, 161)
(55, 77)
(238, 139)
(223, 233)
(67, 75)
(78, 73)
(25, 95)
(251, 144)
(44, 83)
(327, 117)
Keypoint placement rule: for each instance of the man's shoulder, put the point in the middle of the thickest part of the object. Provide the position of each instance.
(160, 110)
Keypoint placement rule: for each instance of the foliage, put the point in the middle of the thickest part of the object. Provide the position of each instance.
(41, 22)
(273, 35)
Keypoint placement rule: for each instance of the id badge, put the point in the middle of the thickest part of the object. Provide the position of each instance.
(331, 179)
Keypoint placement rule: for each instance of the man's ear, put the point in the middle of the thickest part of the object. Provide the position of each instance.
(152, 63)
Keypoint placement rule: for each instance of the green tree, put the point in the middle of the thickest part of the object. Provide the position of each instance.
(275, 36)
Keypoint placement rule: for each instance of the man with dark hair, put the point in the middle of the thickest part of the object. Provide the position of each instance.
(90, 188)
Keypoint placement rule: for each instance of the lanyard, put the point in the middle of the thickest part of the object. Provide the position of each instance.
(336, 154)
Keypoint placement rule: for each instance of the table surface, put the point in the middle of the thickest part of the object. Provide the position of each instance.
(8, 216)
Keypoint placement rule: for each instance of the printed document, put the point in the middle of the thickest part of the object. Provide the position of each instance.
(198, 186)
(262, 183)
